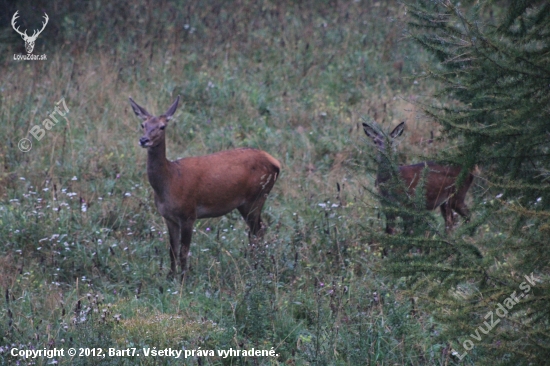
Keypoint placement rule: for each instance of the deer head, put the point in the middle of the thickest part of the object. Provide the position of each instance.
(380, 139)
(153, 127)
(29, 41)
(383, 143)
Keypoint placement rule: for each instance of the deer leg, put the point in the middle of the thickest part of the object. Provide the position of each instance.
(457, 202)
(389, 230)
(390, 220)
(447, 214)
(463, 211)
(174, 233)
(251, 213)
(408, 224)
(186, 234)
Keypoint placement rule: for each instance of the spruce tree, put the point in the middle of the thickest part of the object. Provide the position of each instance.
(488, 284)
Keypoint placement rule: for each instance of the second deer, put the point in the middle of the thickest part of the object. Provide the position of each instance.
(204, 186)
(440, 182)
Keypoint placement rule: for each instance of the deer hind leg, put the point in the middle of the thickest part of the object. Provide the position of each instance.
(186, 228)
(457, 202)
(174, 233)
(460, 207)
(251, 213)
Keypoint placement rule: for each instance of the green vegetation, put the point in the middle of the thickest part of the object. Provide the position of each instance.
(493, 64)
(84, 254)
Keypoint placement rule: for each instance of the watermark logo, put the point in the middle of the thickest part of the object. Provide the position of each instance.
(25, 144)
(501, 311)
(29, 40)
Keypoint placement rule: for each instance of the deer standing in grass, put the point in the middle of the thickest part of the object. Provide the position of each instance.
(440, 182)
(204, 186)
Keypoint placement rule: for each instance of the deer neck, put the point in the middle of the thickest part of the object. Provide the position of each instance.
(158, 168)
(385, 168)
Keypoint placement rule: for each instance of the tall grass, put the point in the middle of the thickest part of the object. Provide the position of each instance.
(84, 256)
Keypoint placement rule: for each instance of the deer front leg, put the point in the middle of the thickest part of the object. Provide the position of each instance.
(447, 213)
(390, 223)
(174, 233)
(186, 228)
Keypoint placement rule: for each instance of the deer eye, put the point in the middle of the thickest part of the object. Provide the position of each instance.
(142, 125)
(162, 127)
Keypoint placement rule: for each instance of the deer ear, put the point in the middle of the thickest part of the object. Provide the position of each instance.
(139, 111)
(369, 131)
(398, 130)
(170, 112)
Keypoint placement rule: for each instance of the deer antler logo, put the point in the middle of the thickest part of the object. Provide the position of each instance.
(29, 41)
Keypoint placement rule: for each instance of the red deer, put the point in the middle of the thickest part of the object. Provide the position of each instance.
(203, 186)
(440, 182)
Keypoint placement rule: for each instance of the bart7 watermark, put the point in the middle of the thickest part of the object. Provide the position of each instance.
(39, 131)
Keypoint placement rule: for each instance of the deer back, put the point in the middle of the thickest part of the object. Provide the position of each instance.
(213, 185)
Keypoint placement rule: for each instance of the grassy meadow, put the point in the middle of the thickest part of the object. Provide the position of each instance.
(84, 253)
